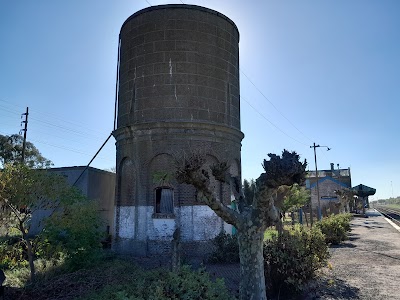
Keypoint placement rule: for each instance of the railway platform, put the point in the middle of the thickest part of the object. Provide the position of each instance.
(367, 266)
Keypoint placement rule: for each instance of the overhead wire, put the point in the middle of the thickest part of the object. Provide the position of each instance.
(81, 133)
(270, 122)
(78, 124)
(272, 104)
(52, 115)
(68, 149)
(49, 124)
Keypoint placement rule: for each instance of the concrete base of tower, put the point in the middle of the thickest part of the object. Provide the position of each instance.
(140, 232)
(197, 249)
(130, 247)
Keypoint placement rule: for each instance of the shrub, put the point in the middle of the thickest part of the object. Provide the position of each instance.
(335, 228)
(345, 219)
(163, 285)
(270, 233)
(226, 249)
(12, 254)
(292, 258)
(73, 234)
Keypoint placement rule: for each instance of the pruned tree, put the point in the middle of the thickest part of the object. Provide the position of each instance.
(253, 216)
(346, 197)
(11, 152)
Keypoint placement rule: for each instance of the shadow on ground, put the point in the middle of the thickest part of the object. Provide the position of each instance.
(329, 288)
(343, 245)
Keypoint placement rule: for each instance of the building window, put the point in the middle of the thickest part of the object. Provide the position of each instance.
(164, 203)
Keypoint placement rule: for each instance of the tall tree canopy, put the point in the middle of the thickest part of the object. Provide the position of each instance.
(11, 152)
(253, 215)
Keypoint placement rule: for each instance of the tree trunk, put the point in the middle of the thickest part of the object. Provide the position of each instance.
(252, 279)
(30, 258)
(305, 216)
(29, 248)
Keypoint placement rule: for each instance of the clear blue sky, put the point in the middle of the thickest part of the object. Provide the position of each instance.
(330, 67)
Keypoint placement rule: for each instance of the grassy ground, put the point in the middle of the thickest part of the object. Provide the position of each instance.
(113, 278)
(394, 206)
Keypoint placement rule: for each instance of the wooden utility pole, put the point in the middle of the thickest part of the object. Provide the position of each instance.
(25, 122)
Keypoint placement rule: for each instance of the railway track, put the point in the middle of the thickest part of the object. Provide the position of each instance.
(390, 213)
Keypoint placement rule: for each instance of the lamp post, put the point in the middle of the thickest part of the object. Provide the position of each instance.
(316, 177)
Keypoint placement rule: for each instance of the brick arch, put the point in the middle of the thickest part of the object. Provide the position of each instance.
(234, 168)
(160, 163)
(126, 191)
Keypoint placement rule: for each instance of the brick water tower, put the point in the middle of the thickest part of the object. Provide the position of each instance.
(178, 92)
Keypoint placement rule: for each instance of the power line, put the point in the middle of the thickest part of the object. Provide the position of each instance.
(80, 124)
(61, 147)
(9, 110)
(52, 115)
(49, 124)
(79, 138)
(265, 118)
(273, 105)
(6, 109)
(81, 133)
(68, 149)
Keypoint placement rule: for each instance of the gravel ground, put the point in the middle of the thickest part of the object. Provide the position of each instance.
(367, 266)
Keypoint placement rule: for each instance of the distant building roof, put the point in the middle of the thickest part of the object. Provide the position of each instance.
(312, 185)
(340, 176)
(363, 190)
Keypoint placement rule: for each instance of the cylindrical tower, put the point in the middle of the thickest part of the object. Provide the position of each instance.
(178, 91)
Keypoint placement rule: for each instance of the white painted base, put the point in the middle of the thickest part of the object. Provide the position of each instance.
(197, 223)
(126, 222)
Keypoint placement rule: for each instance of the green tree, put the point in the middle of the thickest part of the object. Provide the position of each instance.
(290, 199)
(11, 152)
(249, 188)
(253, 215)
(24, 192)
(75, 231)
(296, 197)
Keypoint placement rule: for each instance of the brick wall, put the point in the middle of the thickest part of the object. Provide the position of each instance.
(178, 91)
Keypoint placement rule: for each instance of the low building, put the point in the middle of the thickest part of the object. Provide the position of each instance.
(95, 184)
(328, 182)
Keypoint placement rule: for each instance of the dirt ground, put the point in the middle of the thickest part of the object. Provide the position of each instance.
(367, 266)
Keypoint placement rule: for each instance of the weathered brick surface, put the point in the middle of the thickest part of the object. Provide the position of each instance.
(169, 52)
(178, 91)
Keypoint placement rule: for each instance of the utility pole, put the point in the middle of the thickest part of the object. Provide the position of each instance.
(25, 122)
(316, 177)
(391, 184)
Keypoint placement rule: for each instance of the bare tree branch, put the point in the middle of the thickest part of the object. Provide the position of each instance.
(191, 170)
